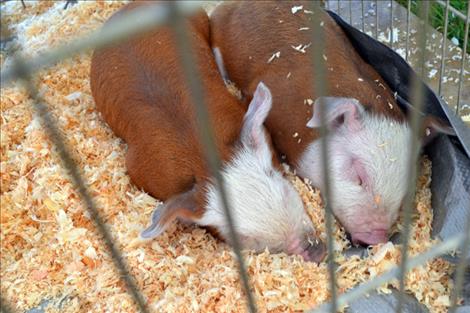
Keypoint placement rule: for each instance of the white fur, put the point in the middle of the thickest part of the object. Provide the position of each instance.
(266, 209)
(381, 144)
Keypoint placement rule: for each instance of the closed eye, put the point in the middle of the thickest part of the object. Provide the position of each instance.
(360, 173)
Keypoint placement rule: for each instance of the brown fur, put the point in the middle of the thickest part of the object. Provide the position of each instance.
(140, 89)
(249, 33)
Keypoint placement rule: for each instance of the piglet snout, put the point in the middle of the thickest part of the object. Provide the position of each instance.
(315, 252)
(312, 250)
(372, 237)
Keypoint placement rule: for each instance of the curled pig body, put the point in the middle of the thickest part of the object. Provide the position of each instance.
(140, 89)
(369, 136)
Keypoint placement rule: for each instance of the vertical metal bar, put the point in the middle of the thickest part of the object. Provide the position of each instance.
(417, 100)
(79, 184)
(460, 271)
(376, 19)
(408, 8)
(465, 247)
(4, 306)
(206, 134)
(350, 12)
(362, 14)
(391, 24)
(320, 89)
(444, 43)
(464, 55)
(339, 7)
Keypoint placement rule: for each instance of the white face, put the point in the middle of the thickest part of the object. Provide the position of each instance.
(368, 174)
(267, 211)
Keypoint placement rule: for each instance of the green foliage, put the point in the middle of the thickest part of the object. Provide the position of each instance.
(455, 26)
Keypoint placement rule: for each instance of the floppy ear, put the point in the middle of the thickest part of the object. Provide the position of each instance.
(180, 206)
(433, 126)
(252, 133)
(339, 112)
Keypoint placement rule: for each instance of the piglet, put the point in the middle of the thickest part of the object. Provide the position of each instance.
(369, 136)
(141, 92)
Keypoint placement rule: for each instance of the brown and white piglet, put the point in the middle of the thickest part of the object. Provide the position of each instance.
(271, 41)
(140, 89)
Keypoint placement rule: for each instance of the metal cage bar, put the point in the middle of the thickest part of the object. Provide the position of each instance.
(133, 23)
(452, 9)
(5, 307)
(69, 164)
(444, 42)
(362, 15)
(206, 134)
(460, 270)
(417, 100)
(407, 44)
(464, 56)
(321, 88)
(376, 19)
(437, 250)
(350, 13)
(391, 24)
(130, 25)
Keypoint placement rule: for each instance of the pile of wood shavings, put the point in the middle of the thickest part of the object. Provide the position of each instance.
(49, 249)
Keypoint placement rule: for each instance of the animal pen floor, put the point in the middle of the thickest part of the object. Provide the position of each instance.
(50, 253)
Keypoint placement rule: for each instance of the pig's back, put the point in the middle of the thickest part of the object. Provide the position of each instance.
(250, 33)
(139, 88)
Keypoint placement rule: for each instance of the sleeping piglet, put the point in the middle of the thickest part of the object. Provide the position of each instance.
(369, 136)
(141, 92)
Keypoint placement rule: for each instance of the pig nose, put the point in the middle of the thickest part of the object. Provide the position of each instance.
(315, 252)
(370, 238)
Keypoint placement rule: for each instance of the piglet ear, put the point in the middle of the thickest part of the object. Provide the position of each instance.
(339, 112)
(181, 206)
(252, 133)
(433, 126)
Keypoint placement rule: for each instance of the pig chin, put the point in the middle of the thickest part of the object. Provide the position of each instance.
(370, 229)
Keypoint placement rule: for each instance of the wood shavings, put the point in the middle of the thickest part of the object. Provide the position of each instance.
(296, 8)
(275, 55)
(48, 243)
(304, 28)
(301, 48)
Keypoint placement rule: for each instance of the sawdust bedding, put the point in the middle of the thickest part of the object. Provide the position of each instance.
(49, 249)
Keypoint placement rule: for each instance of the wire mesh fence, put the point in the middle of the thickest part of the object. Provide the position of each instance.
(140, 20)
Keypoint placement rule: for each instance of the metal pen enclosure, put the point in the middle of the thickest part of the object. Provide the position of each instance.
(450, 156)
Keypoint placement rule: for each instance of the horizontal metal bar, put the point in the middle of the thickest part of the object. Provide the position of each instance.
(453, 10)
(436, 251)
(133, 23)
